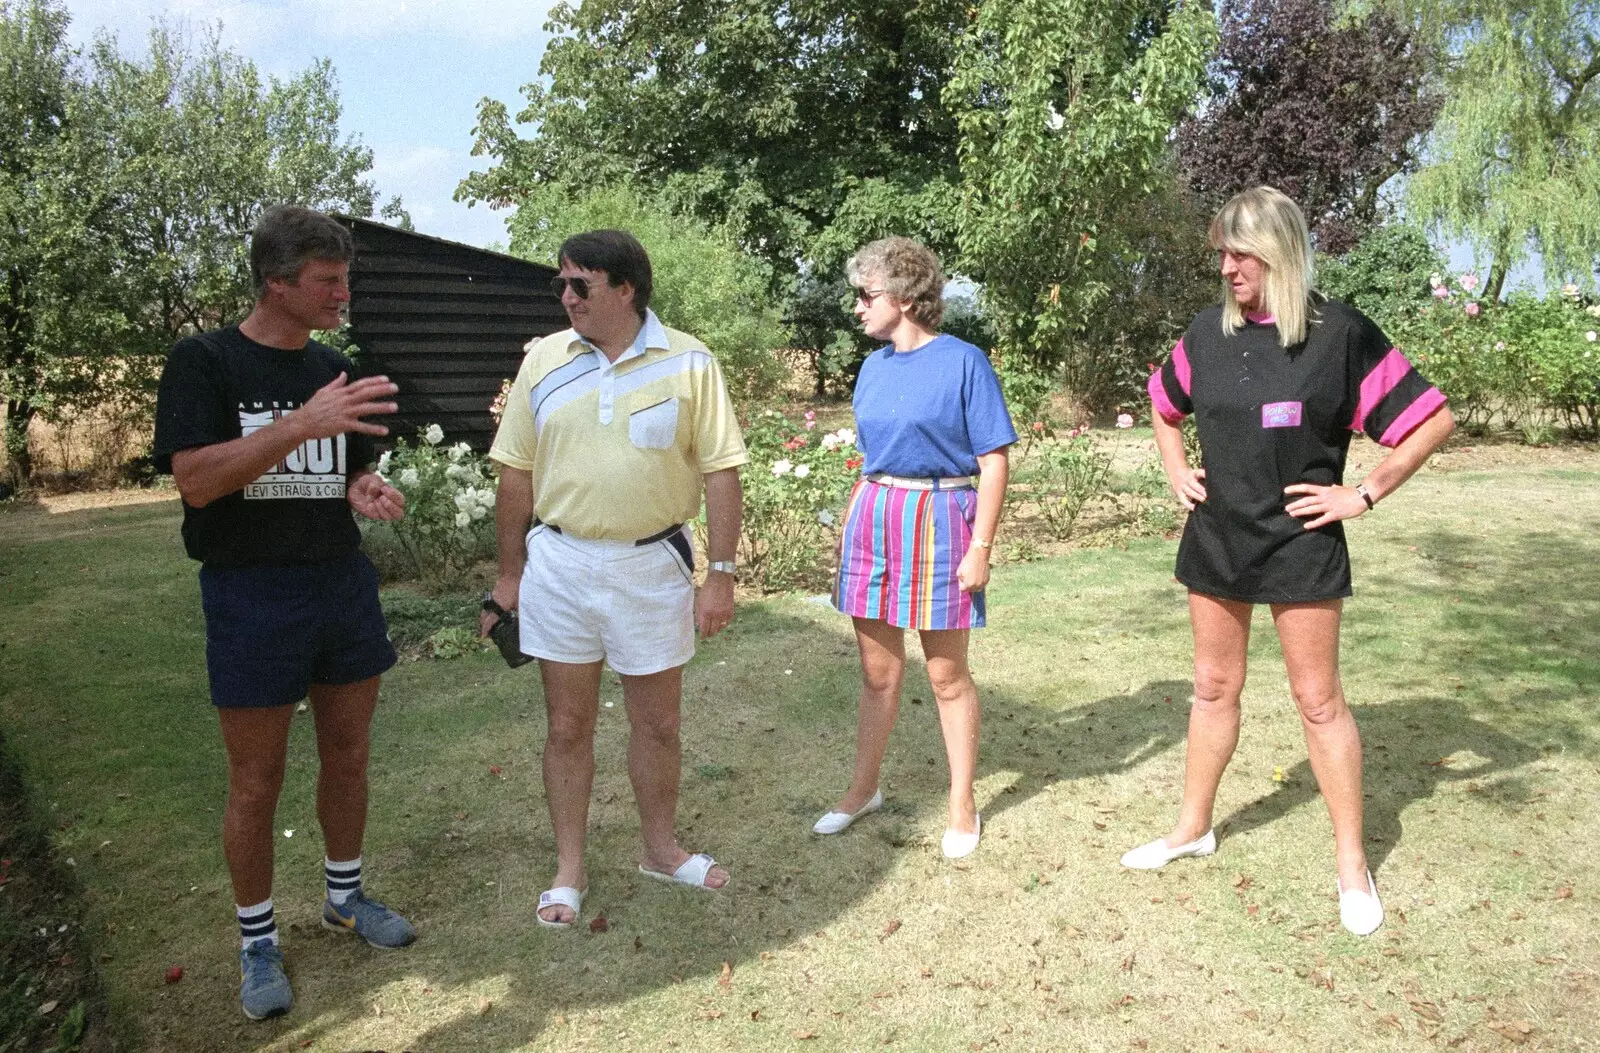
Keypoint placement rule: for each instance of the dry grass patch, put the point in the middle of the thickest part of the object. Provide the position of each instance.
(1471, 659)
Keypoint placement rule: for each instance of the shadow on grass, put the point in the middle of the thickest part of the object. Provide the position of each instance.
(1411, 748)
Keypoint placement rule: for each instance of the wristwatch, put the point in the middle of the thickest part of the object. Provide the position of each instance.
(726, 566)
(981, 543)
(1366, 496)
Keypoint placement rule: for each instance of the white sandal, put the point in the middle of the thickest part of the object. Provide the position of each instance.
(957, 845)
(560, 896)
(692, 873)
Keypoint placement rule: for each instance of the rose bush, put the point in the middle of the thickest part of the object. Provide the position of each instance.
(795, 488)
(450, 496)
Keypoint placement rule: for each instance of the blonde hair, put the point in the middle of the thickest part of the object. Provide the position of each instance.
(1267, 224)
(910, 272)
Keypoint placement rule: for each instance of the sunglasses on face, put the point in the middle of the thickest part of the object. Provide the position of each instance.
(866, 296)
(580, 286)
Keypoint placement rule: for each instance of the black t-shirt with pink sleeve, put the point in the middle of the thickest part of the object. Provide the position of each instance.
(1269, 417)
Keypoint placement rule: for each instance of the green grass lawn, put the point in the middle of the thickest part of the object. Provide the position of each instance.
(1471, 658)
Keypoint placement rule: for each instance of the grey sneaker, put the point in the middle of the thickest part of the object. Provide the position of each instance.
(369, 919)
(263, 987)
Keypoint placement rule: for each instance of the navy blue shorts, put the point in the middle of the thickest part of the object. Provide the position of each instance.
(272, 632)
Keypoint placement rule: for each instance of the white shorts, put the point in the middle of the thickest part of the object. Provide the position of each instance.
(582, 601)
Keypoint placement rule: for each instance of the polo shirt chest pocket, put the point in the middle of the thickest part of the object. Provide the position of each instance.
(655, 427)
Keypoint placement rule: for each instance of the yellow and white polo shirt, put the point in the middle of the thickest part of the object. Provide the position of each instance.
(618, 449)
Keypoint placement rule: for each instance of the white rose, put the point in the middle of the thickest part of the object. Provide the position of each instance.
(801, 471)
(383, 464)
(846, 435)
(486, 498)
(1594, 309)
(459, 450)
(455, 471)
(409, 477)
(462, 519)
(464, 501)
(434, 435)
(1590, 336)
(782, 468)
(825, 517)
(478, 512)
(830, 441)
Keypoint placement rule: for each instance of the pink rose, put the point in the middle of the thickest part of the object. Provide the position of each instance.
(1473, 310)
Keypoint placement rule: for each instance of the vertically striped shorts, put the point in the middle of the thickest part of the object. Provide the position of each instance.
(899, 554)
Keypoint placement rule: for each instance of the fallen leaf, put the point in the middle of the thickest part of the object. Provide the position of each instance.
(726, 979)
(755, 1014)
(638, 943)
(599, 923)
(1252, 910)
(48, 1008)
(1564, 892)
(805, 1036)
(890, 929)
(927, 974)
(711, 1014)
(494, 769)
(174, 974)
(484, 1005)
(1425, 1009)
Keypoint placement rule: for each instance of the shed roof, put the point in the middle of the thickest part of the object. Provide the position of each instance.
(447, 322)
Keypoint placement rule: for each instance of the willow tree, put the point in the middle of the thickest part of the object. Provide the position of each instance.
(1513, 163)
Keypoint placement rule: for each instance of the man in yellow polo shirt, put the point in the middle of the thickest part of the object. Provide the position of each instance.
(611, 430)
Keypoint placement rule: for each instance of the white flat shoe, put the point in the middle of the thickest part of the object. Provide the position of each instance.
(957, 844)
(839, 822)
(1157, 853)
(1361, 912)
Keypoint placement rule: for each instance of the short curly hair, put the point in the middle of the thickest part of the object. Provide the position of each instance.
(908, 270)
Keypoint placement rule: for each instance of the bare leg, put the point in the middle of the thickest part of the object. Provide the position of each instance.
(883, 669)
(343, 713)
(957, 695)
(655, 764)
(257, 741)
(1309, 633)
(1221, 640)
(572, 701)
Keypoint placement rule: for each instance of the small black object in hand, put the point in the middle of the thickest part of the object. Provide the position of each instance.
(506, 634)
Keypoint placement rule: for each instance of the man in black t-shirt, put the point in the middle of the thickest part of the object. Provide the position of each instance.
(264, 432)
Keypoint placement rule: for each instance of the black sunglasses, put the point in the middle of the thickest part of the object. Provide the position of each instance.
(580, 286)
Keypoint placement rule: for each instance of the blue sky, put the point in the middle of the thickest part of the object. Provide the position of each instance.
(411, 73)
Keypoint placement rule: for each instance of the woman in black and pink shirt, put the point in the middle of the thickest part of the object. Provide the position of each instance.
(1278, 377)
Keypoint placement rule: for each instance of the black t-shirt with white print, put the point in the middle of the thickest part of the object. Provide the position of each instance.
(221, 386)
(1269, 417)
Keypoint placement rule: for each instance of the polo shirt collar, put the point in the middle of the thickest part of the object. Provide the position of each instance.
(652, 334)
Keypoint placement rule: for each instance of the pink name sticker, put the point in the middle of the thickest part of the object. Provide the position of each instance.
(1280, 415)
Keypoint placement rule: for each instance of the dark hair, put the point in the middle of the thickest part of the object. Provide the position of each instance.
(616, 252)
(287, 237)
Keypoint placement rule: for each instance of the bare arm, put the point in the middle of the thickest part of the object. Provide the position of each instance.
(513, 515)
(994, 470)
(724, 519)
(205, 473)
(1188, 483)
(1322, 505)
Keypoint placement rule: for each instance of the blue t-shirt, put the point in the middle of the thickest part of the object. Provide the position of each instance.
(930, 412)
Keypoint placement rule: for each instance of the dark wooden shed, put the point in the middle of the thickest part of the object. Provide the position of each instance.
(447, 322)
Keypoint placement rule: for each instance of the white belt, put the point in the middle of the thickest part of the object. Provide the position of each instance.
(957, 482)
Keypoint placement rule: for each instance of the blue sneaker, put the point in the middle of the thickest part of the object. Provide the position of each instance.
(369, 919)
(263, 987)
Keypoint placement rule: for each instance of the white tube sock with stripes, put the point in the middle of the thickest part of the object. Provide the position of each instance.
(256, 923)
(344, 879)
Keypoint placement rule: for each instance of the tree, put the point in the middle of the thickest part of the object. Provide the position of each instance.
(41, 95)
(126, 190)
(703, 283)
(1327, 112)
(1514, 159)
(1065, 113)
(789, 122)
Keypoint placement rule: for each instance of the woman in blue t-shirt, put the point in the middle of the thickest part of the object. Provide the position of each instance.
(914, 553)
